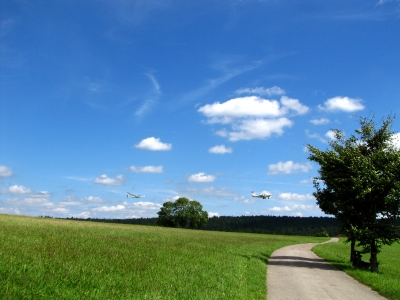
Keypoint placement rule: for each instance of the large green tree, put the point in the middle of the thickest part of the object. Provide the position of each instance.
(182, 213)
(359, 183)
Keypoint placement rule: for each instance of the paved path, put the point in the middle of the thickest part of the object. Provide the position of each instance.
(295, 272)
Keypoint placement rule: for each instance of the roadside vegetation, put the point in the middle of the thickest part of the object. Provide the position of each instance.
(44, 258)
(386, 281)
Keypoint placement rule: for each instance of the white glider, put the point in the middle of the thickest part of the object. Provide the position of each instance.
(263, 195)
(129, 195)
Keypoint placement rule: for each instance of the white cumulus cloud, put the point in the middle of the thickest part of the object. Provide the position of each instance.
(287, 208)
(5, 171)
(208, 192)
(104, 180)
(251, 106)
(110, 208)
(330, 135)
(245, 200)
(145, 206)
(295, 197)
(92, 199)
(153, 144)
(275, 90)
(339, 103)
(19, 189)
(82, 215)
(288, 167)
(201, 177)
(396, 140)
(258, 129)
(252, 117)
(321, 121)
(220, 149)
(213, 214)
(146, 169)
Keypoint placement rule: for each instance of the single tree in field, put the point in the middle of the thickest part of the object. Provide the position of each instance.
(182, 213)
(359, 183)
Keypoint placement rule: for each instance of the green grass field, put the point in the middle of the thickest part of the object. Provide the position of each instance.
(386, 282)
(59, 259)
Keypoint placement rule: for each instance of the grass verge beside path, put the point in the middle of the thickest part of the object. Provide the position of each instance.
(386, 282)
(48, 258)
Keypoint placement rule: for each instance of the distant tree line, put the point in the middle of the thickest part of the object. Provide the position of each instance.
(306, 226)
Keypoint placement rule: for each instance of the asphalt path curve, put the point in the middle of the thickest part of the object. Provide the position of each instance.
(295, 272)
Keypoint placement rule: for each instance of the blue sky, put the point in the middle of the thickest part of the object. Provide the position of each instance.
(208, 100)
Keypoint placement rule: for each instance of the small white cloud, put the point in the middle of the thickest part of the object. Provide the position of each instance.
(287, 208)
(78, 178)
(110, 208)
(330, 135)
(305, 181)
(208, 192)
(5, 171)
(245, 200)
(262, 91)
(295, 197)
(146, 169)
(70, 203)
(31, 201)
(321, 121)
(92, 199)
(297, 214)
(153, 144)
(288, 167)
(201, 177)
(220, 149)
(104, 180)
(251, 106)
(213, 214)
(314, 136)
(144, 206)
(345, 104)
(295, 105)
(82, 215)
(396, 140)
(61, 210)
(258, 129)
(19, 189)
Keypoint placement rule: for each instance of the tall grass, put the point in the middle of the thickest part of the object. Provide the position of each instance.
(386, 282)
(48, 258)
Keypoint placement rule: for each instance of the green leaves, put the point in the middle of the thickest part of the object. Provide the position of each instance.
(358, 182)
(182, 213)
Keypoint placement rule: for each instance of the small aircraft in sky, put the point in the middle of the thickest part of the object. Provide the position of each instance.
(263, 195)
(129, 195)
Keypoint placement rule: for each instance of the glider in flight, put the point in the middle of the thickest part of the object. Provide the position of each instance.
(129, 195)
(263, 195)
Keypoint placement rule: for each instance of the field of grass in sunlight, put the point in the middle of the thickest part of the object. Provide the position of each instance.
(43, 258)
(386, 282)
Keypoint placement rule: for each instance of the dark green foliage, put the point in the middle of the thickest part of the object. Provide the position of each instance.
(182, 213)
(359, 183)
(306, 226)
(322, 232)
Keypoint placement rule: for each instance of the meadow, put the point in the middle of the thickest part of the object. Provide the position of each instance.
(386, 282)
(43, 258)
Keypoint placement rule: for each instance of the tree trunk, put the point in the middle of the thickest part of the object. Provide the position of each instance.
(352, 251)
(374, 257)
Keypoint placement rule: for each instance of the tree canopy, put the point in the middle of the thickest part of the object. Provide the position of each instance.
(182, 213)
(359, 183)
